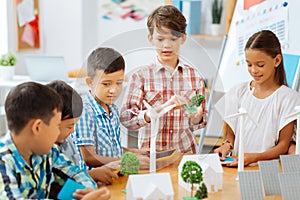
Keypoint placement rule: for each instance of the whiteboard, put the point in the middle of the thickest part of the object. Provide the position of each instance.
(232, 69)
(266, 15)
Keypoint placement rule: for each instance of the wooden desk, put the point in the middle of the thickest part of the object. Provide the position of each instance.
(230, 185)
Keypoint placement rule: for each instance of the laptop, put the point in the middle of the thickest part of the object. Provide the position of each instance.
(46, 68)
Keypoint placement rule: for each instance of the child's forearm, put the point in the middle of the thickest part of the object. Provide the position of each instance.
(93, 160)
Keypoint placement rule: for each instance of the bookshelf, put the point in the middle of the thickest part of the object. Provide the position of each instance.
(229, 8)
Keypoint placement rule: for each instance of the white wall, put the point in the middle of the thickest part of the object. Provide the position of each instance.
(73, 28)
(60, 30)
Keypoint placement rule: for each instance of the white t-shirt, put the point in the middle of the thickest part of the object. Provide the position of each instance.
(270, 114)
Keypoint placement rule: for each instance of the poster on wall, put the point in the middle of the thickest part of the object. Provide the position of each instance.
(27, 26)
(268, 16)
(128, 9)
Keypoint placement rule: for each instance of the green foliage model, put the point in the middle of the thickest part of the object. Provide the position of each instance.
(201, 193)
(192, 173)
(197, 100)
(129, 164)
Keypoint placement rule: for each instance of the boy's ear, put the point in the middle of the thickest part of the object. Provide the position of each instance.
(183, 38)
(88, 81)
(36, 126)
(150, 38)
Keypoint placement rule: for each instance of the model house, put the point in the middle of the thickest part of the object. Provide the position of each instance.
(149, 187)
(211, 170)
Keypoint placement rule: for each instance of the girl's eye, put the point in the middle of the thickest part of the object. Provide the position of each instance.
(260, 65)
(105, 84)
(160, 40)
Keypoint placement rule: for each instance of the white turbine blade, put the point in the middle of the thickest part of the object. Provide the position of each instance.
(151, 112)
(242, 110)
(147, 105)
(166, 109)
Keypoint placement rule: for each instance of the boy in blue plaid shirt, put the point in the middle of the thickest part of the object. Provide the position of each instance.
(28, 156)
(97, 133)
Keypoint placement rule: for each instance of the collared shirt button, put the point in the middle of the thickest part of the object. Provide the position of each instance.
(171, 131)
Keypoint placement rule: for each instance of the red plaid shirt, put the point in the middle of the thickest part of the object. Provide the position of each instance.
(156, 85)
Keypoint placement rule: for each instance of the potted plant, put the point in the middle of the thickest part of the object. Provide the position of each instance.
(216, 13)
(7, 65)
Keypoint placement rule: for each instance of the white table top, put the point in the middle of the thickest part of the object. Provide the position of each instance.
(77, 83)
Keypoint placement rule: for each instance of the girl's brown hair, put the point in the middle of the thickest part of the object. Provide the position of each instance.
(267, 42)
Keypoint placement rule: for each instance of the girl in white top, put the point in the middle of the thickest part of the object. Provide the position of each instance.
(267, 100)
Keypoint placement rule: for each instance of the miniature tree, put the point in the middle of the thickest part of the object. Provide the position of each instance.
(192, 173)
(129, 164)
(195, 102)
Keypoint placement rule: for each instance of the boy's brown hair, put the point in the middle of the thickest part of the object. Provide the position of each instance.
(167, 16)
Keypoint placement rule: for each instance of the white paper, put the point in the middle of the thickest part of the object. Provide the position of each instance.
(25, 12)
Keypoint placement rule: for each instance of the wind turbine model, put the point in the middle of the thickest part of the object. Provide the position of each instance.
(297, 113)
(242, 112)
(154, 116)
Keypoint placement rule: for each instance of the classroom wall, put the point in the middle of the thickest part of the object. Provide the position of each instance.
(73, 28)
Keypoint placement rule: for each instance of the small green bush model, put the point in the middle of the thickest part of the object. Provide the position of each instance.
(8, 59)
(129, 164)
(197, 100)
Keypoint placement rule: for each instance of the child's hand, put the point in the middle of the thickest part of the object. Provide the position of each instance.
(222, 151)
(80, 193)
(196, 117)
(143, 151)
(177, 100)
(144, 161)
(249, 158)
(99, 194)
(103, 174)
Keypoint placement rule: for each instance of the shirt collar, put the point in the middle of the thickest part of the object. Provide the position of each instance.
(19, 160)
(158, 66)
(99, 110)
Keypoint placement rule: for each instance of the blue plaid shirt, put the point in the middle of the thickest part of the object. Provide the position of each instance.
(96, 128)
(18, 180)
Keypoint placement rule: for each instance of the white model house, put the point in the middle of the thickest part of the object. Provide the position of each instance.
(149, 187)
(211, 169)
